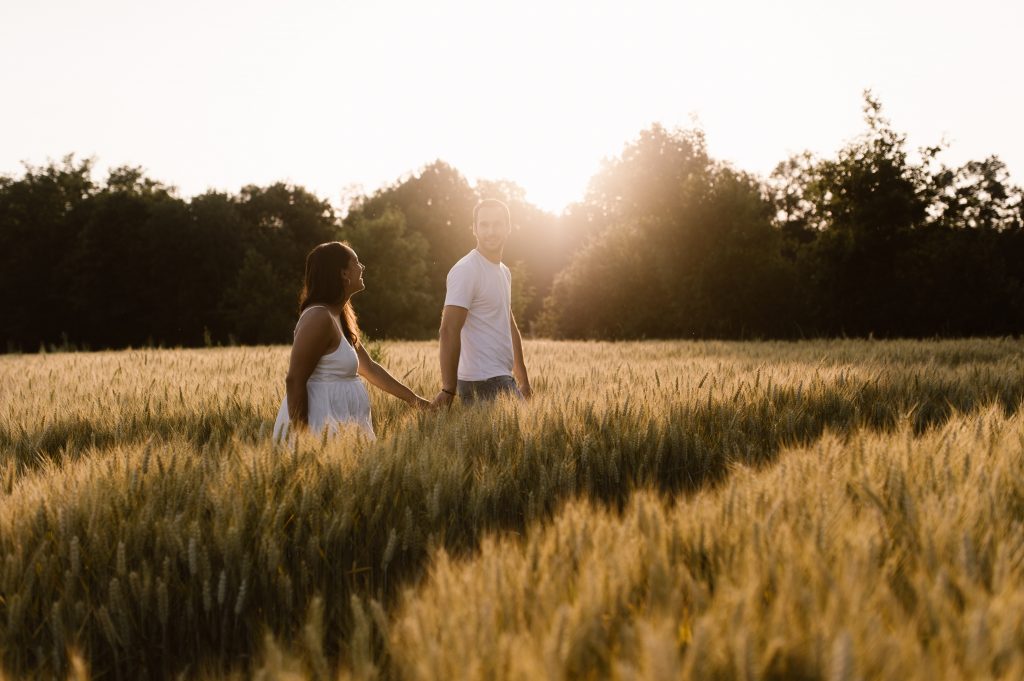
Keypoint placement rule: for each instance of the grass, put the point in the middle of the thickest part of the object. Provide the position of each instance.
(873, 557)
(150, 528)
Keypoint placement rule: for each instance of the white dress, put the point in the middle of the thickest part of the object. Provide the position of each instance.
(335, 394)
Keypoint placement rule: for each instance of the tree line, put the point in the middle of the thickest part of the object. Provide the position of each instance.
(667, 242)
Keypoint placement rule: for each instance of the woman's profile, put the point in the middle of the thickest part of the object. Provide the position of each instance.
(323, 389)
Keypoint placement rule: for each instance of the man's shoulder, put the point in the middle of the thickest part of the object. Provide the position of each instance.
(466, 263)
(463, 281)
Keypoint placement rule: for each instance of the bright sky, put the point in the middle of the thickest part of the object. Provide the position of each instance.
(337, 96)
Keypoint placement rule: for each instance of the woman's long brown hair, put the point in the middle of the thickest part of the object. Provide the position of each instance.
(323, 285)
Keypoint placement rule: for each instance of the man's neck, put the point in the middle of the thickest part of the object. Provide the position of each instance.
(493, 256)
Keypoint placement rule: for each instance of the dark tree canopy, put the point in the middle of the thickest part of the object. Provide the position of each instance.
(667, 242)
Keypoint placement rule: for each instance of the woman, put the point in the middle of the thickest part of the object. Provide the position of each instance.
(322, 389)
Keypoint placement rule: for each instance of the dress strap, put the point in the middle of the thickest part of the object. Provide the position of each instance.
(310, 308)
(303, 313)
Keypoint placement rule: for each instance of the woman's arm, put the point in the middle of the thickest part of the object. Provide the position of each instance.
(313, 336)
(379, 377)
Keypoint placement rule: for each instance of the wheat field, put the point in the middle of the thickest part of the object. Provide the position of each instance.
(814, 510)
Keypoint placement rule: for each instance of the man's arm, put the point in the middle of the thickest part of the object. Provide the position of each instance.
(519, 367)
(453, 318)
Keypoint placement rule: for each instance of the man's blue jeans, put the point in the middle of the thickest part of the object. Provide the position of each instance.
(488, 389)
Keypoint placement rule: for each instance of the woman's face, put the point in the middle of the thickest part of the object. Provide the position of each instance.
(353, 276)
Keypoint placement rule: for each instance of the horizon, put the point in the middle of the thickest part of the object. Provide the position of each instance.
(345, 100)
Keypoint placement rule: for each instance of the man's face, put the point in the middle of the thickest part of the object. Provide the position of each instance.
(491, 228)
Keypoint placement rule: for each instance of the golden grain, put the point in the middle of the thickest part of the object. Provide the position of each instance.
(660, 510)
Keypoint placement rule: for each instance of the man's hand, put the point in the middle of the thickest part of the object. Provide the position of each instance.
(442, 399)
(526, 390)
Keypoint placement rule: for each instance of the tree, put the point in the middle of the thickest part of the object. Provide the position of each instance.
(216, 238)
(282, 223)
(127, 263)
(977, 195)
(881, 242)
(538, 248)
(689, 249)
(864, 205)
(598, 294)
(40, 216)
(259, 307)
(437, 204)
(397, 302)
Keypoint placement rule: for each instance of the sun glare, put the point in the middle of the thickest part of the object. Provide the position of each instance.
(330, 95)
(553, 186)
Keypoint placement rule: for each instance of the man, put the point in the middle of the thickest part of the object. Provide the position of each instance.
(481, 348)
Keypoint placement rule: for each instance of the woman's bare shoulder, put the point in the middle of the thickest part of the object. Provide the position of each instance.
(316, 320)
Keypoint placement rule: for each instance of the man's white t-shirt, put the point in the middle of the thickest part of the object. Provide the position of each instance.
(485, 289)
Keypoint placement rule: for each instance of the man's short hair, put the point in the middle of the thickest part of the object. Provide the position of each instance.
(492, 203)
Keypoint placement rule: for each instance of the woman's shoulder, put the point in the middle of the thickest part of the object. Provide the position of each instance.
(315, 318)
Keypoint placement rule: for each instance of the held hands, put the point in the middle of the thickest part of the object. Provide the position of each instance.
(445, 398)
(442, 399)
(419, 403)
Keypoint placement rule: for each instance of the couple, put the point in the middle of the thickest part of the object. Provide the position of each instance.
(481, 348)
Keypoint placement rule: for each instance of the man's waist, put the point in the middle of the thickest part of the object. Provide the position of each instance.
(502, 378)
(470, 372)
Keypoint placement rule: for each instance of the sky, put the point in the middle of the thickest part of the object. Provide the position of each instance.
(345, 97)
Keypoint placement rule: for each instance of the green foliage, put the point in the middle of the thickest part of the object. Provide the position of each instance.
(259, 307)
(130, 263)
(977, 195)
(435, 207)
(878, 240)
(40, 215)
(523, 291)
(703, 259)
(871, 242)
(397, 301)
(436, 204)
(539, 247)
(883, 259)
